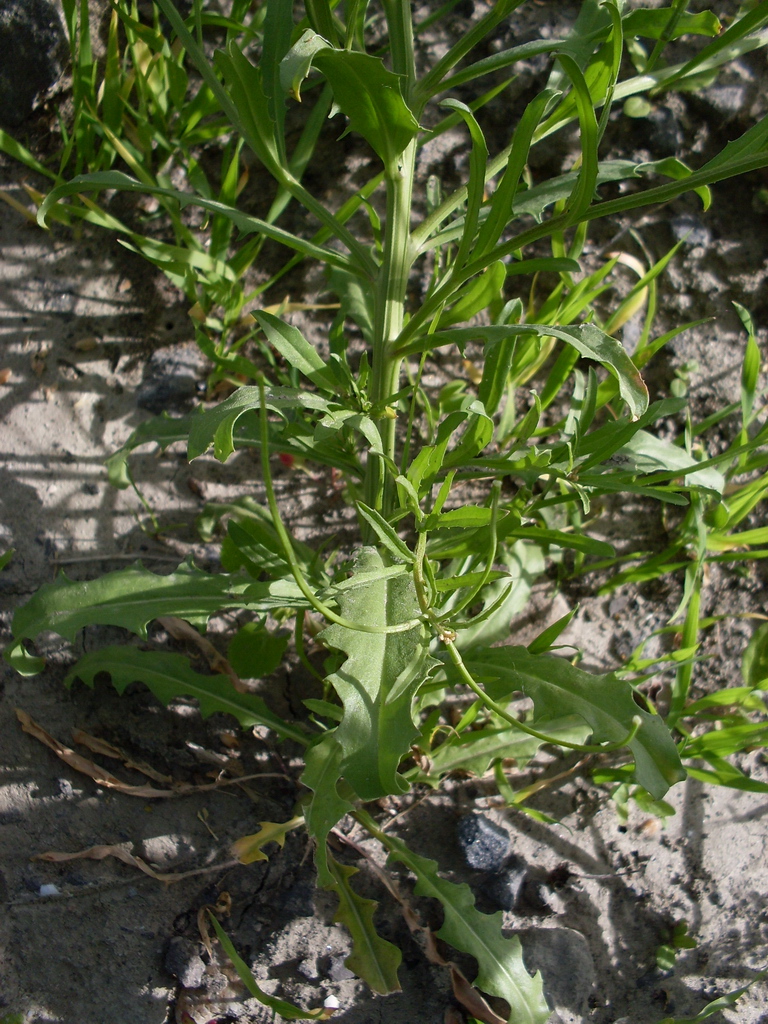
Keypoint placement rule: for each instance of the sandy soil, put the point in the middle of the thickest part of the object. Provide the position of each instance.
(90, 339)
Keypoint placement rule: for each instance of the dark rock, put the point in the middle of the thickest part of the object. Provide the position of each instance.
(337, 971)
(485, 845)
(33, 51)
(689, 227)
(666, 135)
(183, 961)
(166, 392)
(11, 816)
(726, 101)
(32, 883)
(504, 889)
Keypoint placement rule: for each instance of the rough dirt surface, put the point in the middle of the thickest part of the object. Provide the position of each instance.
(93, 343)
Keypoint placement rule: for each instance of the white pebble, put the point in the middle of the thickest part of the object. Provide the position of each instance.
(49, 890)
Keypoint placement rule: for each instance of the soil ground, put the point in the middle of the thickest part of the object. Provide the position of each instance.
(91, 339)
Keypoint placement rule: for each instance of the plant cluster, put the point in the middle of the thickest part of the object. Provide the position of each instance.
(463, 493)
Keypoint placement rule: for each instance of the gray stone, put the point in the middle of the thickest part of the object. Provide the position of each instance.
(666, 135)
(166, 392)
(505, 888)
(688, 228)
(183, 961)
(33, 51)
(485, 844)
(727, 101)
(338, 971)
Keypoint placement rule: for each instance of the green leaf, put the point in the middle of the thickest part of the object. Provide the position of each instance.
(372, 958)
(297, 62)
(246, 89)
(652, 24)
(368, 94)
(716, 1005)
(169, 676)
(504, 599)
(478, 295)
(606, 703)
(386, 533)
(588, 340)
(497, 363)
(322, 771)
(6, 557)
(371, 98)
(476, 751)
(468, 517)
(378, 681)
(215, 427)
(132, 597)
(754, 663)
(254, 652)
(286, 1010)
(648, 454)
(475, 189)
(296, 350)
(501, 972)
(243, 221)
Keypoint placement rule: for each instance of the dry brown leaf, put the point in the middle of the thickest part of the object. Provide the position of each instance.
(471, 1000)
(120, 853)
(5, 375)
(104, 778)
(223, 908)
(99, 746)
(181, 630)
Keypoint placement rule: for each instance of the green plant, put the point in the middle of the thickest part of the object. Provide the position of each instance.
(462, 493)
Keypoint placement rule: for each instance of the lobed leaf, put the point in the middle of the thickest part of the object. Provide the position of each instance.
(169, 676)
(476, 751)
(131, 598)
(379, 679)
(372, 958)
(249, 849)
(502, 972)
(606, 703)
(364, 90)
(322, 771)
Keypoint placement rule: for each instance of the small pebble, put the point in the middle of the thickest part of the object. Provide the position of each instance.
(338, 971)
(183, 961)
(485, 844)
(49, 890)
(505, 888)
(687, 228)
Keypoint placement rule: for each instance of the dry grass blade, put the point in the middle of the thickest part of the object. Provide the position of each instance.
(181, 630)
(120, 853)
(109, 781)
(99, 746)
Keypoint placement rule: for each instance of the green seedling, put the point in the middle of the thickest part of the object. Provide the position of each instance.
(464, 493)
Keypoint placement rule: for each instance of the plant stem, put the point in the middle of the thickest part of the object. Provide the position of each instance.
(389, 304)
